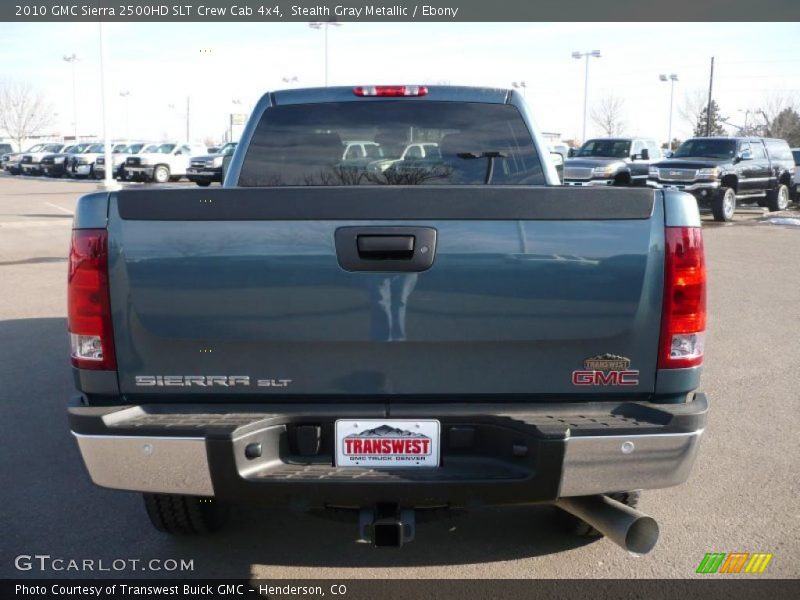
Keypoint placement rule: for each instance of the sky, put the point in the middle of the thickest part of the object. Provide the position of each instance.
(162, 64)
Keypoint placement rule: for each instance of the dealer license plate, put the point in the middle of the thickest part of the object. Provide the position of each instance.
(387, 443)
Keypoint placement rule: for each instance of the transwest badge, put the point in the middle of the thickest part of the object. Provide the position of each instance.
(606, 369)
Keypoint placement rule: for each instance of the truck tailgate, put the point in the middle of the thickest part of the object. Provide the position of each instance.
(233, 292)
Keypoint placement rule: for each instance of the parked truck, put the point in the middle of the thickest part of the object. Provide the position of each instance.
(119, 155)
(309, 337)
(169, 161)
(720, 172)
(611, 161)
(207, 169)
(31, 163)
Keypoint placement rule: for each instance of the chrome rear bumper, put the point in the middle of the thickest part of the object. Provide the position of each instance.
(602, 464)
(169, 465)
(553, 465)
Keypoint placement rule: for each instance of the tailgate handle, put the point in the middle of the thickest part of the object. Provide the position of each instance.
(386, 247)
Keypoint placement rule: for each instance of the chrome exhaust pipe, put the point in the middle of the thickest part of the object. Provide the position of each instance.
(625, 526)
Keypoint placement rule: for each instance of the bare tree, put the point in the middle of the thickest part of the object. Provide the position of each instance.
(694, 105)
(608, 116)
(772, 116)
(24, 112)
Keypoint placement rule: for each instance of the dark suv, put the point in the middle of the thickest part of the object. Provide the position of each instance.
(611, 161)
(721, 171)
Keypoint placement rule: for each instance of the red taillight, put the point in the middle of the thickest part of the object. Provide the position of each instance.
(391, 90)
(683, 321)
(88, 303)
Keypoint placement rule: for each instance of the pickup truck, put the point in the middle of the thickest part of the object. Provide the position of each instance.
(119, 155)
(55, 165)
(12, 161)
(721, 171)
(205, 170)
(611, 161)
(313, 338)
(168, 162)
(82, 165)
(411, 152)
(31, 162)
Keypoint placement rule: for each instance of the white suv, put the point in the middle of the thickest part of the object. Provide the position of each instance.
(169, 161)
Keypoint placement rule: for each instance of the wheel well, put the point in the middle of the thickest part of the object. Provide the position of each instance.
(730, 181)
(785, 179)
(625, 176)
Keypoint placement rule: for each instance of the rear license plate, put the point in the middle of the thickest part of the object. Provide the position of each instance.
(387, 443)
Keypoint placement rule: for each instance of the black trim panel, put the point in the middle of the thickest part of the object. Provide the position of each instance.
(349, 203)
(552, 420)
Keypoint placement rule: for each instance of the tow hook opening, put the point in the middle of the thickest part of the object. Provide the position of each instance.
(387, 525)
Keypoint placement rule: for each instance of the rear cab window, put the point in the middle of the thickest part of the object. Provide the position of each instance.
(779, 150)
(407, 142)
(757, 149)
(605, 148)
(653, 150)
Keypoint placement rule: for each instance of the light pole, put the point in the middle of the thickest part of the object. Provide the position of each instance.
(672, 78)
(578, 56)
(125, 94)
(72, 59)
(324, 26)
(746, 115)
(520, 85)
(237, 102)
(109, 182)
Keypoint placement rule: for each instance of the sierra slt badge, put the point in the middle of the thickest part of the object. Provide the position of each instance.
(606, 369)
(207, 381)
(387, 443)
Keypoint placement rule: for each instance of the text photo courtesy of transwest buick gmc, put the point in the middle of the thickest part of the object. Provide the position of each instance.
(428, 322)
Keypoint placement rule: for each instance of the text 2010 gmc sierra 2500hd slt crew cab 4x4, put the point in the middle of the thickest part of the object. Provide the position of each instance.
(459, 334)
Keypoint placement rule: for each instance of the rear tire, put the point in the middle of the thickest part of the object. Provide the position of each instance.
(184, 515)
(203, 183)
(723, 205)
(778, 199)
(576, 526)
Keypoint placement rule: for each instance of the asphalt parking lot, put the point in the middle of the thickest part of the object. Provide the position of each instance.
(742, 495)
